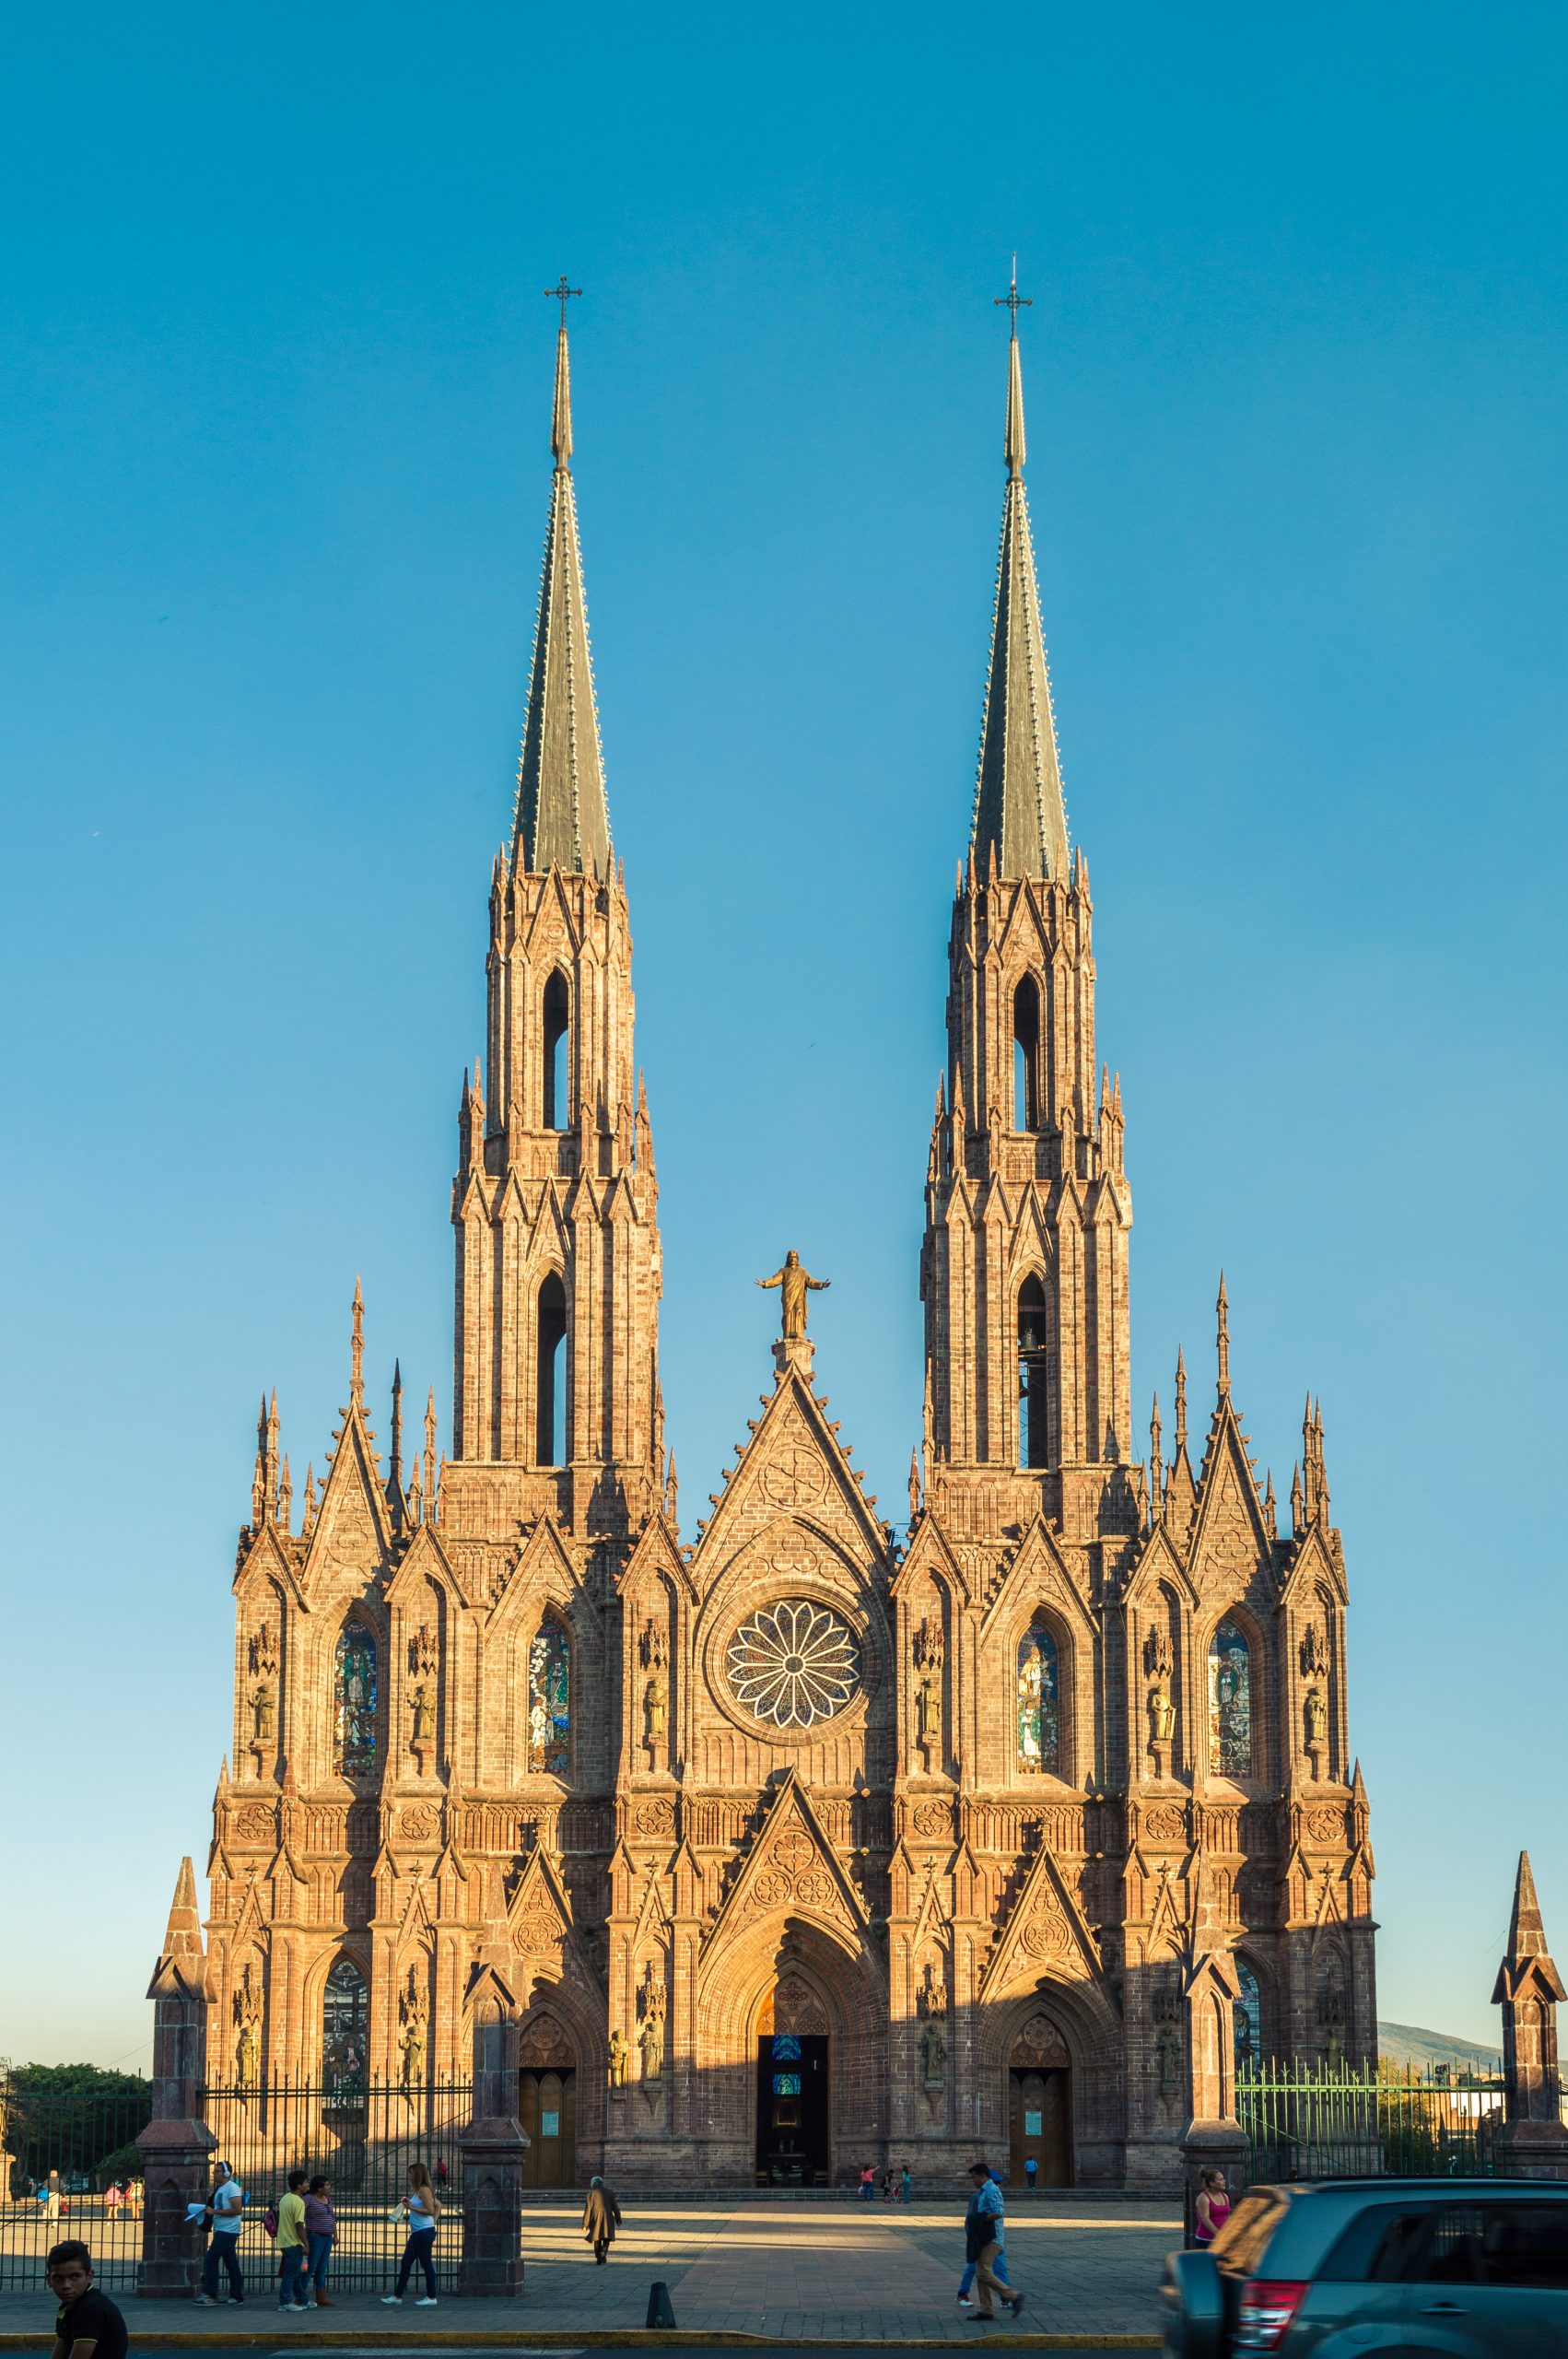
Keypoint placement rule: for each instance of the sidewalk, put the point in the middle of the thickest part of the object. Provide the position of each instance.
(845, 2275)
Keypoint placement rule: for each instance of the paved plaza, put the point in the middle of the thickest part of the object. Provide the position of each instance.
(792, 2272)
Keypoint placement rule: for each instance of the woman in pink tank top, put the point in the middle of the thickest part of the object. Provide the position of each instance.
(1212, 2207)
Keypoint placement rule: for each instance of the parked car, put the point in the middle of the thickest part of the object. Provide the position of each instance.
(1431, 2268)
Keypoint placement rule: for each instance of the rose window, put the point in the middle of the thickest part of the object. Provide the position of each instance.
(794, 1665)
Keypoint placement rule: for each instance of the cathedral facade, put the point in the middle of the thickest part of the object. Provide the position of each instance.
(797, 1840)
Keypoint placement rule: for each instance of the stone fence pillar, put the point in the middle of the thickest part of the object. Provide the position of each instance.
(1213, 2138)
(493, 2146)
(1533, 2143)
(176, 2146)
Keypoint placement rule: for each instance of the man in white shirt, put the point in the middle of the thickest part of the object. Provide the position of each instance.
(226, 2209)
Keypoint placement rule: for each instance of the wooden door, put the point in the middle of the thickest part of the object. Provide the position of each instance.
(547, 2111)
(1040, 2124)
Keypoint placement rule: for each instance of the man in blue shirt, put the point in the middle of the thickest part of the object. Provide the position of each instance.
(982, 2242)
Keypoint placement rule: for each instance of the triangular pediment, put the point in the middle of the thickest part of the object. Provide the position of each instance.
(552, 932)
(1045, 1937)
(425, 1563)
(249, 1924)
(791, 1872)
(267, 1563)
(417, 1923)
(543, 1568)
(1158, 1563)
(1311, 1562)
(1038, 1567)
(352, 1531)
(655, 1559)
(931, 1557)
(1230, 1542)
(792, 1465)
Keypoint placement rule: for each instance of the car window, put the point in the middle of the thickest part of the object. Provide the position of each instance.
(1453, 2247)
(1523, 2244)
(1239, 2247)
(1379, 2246)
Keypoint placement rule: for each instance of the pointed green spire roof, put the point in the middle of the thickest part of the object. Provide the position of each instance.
(561, 817)
(1018, 798)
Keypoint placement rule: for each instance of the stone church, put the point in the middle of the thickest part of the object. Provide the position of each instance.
(797, 1839)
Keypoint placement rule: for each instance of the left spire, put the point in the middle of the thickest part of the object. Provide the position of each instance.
(562, 818)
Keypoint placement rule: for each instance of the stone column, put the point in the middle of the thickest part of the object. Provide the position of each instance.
(1534, 2141)
(176, 2146)
(1212, 2139)
(493, 2146)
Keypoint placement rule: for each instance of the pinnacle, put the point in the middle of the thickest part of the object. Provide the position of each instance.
(1019, 818)
(561, 819)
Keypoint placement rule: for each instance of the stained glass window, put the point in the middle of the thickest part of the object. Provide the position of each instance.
(794, 1663)
(1247, 2018)
(354, 1701)
(1038, 1702)
(344, 2008)
(1230, 1704)
(786, 2048)
(550, 1701)
(785, 2085)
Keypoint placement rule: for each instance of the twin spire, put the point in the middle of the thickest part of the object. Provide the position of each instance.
(1019, 810)
(562, 817)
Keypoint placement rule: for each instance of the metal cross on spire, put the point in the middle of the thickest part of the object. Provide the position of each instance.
(1014, 301)
(562, 294)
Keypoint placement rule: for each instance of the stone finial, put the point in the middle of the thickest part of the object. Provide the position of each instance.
(182, 1961)
(1181, 1404)
(394, 1467)
(1223, 1338)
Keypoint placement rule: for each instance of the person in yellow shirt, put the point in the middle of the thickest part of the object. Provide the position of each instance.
(291, 2245)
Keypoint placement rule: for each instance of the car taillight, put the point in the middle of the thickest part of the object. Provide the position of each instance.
(1267, 2306)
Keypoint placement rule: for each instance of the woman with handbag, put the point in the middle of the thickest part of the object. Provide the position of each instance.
(422, 2211)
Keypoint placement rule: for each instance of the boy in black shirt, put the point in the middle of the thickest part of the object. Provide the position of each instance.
(87, 2324)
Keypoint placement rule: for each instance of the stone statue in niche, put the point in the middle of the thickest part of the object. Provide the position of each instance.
(1316, 1715)
(933, 2056)
(412, 2011)
(1158, 1667)
(620, 2060)
(264, 1713)
(248, 2057)
(928, 1717)
(651, 2042)
(655, 1711)
(424, 1715)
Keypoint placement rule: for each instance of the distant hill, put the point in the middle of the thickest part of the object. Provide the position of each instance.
(1405, 2044)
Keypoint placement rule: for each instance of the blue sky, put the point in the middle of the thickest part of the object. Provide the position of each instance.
(274, 371)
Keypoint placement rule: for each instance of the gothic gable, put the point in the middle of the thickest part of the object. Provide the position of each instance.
(1230, 1545)
(352, 1531)
(1045, 1937)
(1038, 1574)
(790, 1870)
(793, 1465)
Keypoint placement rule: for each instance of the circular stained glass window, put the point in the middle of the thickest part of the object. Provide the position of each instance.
(794, 1665)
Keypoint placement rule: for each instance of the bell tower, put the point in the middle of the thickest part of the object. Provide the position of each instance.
(554, 1203)
(1024, 1264)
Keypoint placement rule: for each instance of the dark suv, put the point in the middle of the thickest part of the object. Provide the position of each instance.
(1432, 2269)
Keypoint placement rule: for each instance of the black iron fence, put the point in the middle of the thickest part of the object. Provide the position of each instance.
(72, 2170)
(1333, 2122)
(361, 2136)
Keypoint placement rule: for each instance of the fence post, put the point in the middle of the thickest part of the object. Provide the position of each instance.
(1533, 2143)
(176, 2143)
(492, 2147)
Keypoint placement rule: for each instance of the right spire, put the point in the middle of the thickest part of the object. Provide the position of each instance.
(1018, 799)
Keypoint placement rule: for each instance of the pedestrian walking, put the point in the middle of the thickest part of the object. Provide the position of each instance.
(868, 2184)
(321, 2230)
(600, 2218)
(226, 2211)
(85, 2317)
(291, 2246)
(114, 2197)
(906, 2185)
(52, 2196)
(968, 2280)
(421, 2210)
(1030, 2170)
(982, 2243)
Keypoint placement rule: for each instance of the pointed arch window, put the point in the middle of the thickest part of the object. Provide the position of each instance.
(549, 1376)
(1246, 2019)
(1230, 1703)
(345, 2014)
(1033, 1369)
(1027, 1055)
(1038, 1702)
(354, 1701)
(550, 1701)
(557, 1013)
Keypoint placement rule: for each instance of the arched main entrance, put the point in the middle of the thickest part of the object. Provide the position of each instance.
(794, 2087)
(1040, 2104)
(546, 2101)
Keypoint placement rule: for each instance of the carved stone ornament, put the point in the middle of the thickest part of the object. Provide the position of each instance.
(254, 1824)
(1157, 1661)
(1326, 1826)
(1165, 1823)
(264, 1653)
(656, 1817)
(928, 1644)
(417, 1823)
(1314, 1653)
